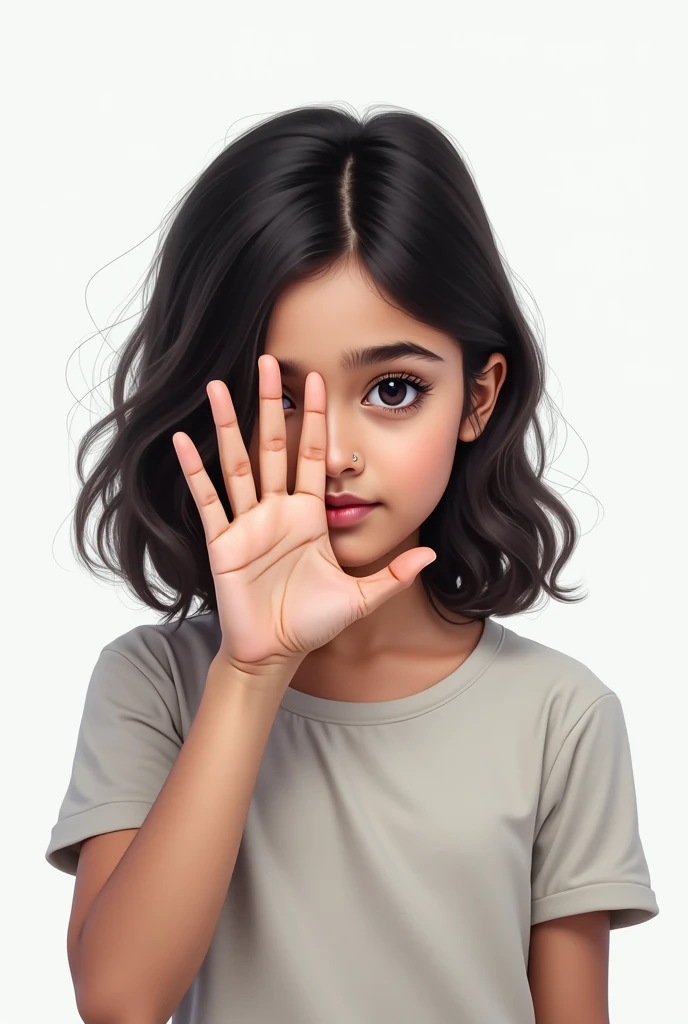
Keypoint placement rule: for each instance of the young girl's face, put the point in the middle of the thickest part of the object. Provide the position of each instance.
(404, 431)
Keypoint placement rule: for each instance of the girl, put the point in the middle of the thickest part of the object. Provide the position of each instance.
(339, 791)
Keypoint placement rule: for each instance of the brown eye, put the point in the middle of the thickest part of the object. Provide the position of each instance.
(398, 392)
(393, 392)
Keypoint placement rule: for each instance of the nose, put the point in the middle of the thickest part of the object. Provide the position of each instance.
(341, 445)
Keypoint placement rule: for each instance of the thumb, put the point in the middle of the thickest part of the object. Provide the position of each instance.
(397, 576)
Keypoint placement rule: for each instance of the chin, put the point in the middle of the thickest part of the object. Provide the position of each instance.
(362, 562)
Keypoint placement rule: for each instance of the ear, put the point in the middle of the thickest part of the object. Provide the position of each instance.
(485, 392)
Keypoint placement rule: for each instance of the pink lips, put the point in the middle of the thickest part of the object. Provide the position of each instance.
(346, 515)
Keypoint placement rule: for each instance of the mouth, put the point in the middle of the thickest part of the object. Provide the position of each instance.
(345, 498)
(347, 515)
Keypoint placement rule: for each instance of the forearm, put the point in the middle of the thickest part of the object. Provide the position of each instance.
(151, 925)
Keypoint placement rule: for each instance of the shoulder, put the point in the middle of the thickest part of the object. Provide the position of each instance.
(165, 643)
(173, 658)
(555, 685)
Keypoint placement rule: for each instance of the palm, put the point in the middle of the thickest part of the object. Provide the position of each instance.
(279, 588)
(280, 591)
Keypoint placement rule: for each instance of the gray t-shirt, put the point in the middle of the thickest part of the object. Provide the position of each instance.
(395, 853)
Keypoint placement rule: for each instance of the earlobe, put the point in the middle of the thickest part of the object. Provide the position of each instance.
(468, 431)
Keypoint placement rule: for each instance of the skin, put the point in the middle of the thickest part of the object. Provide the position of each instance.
(568, 969)
(404, 462)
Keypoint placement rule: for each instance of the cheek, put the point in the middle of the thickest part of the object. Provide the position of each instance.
(413, 471)
(429, 467)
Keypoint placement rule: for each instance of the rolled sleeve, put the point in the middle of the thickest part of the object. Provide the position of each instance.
(587, 853)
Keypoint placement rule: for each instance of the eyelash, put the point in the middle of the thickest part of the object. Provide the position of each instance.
(419, 385)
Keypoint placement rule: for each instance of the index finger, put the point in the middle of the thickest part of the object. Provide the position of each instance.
(311, 469)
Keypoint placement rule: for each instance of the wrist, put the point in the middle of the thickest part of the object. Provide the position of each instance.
(256, 676)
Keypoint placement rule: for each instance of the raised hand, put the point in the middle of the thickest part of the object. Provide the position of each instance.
(280, 590)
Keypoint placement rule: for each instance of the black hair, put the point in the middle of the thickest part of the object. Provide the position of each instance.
(287, 199)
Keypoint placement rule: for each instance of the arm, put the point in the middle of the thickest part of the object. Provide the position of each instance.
(568, 969)
(149, 927)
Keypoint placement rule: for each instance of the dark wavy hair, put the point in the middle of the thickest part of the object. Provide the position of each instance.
(287, 199)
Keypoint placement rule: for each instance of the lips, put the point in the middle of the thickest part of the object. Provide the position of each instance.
(348, 515)
(346, 500)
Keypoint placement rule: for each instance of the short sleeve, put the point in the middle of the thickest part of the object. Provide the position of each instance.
(127, 743)
(587, 853)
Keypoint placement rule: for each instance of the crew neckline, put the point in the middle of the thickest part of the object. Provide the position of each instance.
(374, 712)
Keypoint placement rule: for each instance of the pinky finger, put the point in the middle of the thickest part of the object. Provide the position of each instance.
(209, 506)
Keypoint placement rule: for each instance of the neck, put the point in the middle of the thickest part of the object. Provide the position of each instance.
(406, 621)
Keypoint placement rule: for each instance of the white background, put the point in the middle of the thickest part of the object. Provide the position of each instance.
(572, 119)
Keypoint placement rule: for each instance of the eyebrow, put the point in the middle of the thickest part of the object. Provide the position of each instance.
(352, 359)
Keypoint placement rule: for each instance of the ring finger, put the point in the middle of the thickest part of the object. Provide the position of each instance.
(234, 460)
(272, 428)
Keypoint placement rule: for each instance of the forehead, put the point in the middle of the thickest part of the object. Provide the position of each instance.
(322, 323)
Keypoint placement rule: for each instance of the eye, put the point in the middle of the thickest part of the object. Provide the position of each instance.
(394, 389)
